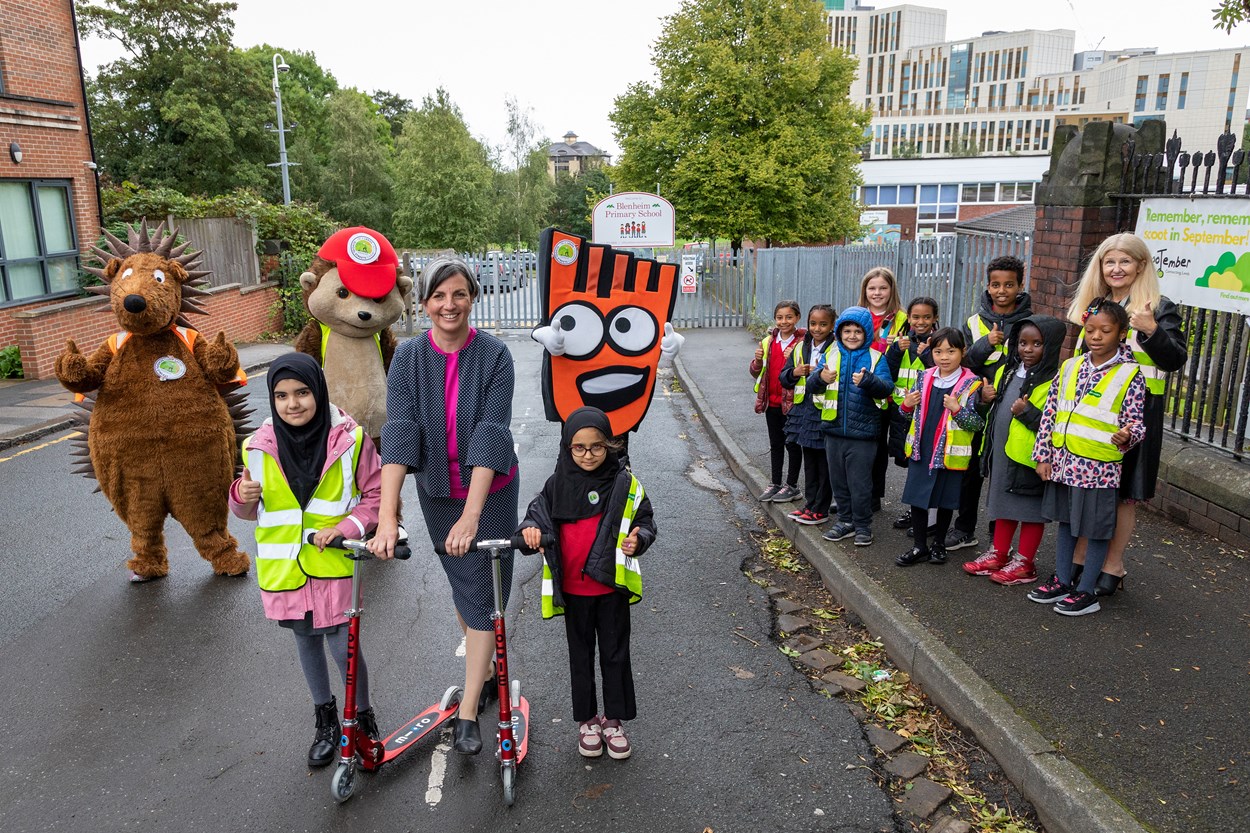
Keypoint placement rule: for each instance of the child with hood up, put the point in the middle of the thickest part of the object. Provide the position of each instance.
(1017, 397)
(856, 382)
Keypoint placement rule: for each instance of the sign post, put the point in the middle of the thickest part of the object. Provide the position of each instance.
(634, 220)
(689, 276)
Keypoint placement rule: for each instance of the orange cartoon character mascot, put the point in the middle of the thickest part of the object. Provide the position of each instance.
(605, 328)
(164, 404)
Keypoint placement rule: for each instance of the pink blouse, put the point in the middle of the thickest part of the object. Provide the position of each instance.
(451, 394)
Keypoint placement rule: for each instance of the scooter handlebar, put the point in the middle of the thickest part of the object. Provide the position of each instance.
(516, 542)
(361, 548)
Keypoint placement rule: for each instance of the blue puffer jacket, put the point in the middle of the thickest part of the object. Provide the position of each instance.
(858, 414)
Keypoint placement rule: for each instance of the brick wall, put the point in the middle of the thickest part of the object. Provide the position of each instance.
(1064, 239)
(41, 329)
(1201, 514)
(39, 60)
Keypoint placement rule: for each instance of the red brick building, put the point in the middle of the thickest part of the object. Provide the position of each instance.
(49, 202)
(49, 208)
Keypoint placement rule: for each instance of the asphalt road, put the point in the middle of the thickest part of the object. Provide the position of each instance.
(177, 706)
(1150, 697)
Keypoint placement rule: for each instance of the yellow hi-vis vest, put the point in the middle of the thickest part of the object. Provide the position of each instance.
(829, 412)
(891, 326)
(800, 383)
(628, 575)
(1020, 439)
(957, 454)
(325, 336)
(909, 371)
(1085, 426)
(284, 560)
(1156, 379)
(980, 330)
(765, 344)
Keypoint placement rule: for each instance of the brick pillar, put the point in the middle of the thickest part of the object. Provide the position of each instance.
(1075, 209)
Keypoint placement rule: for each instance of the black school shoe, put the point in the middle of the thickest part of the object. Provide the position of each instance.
(466, 736)
(937, 555)
(326, 741)
(912, 557)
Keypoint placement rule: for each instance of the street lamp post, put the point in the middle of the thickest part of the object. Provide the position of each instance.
(280, 65)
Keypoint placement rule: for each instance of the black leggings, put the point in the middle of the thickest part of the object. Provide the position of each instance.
(817, 490)
(780, 449)
(920, 527)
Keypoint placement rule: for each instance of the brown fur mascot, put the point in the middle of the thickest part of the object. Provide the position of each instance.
(354, 292)
(161, 436)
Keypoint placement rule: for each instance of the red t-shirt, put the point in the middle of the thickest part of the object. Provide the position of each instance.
(576, 539)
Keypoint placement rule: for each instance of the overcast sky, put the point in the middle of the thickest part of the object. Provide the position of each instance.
(567, 61)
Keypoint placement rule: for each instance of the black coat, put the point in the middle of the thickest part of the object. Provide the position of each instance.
(601, 562)
(979, 349)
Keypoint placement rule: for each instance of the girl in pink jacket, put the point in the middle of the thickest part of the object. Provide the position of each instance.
(310, 469)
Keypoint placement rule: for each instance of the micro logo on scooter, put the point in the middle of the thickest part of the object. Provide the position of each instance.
(506, 745)
(342, 740)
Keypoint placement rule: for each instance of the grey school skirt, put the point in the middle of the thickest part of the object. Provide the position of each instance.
(472, 588)
(1090, 512)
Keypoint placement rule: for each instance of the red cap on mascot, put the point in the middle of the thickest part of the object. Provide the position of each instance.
(366, 260)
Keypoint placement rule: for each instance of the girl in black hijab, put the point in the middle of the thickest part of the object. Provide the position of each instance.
(601, 521)
(301, 448)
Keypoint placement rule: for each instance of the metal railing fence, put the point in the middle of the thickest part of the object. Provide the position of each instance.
(1207, 401)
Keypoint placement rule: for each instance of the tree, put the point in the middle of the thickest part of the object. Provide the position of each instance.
(393, 108)
(1229, 13)
(443, 179)
(574, 197)
(749, 130)
(185, 109)
(523, 191)
(357, 177)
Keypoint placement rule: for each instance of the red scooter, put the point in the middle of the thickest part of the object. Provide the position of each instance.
(358, 749)
(514, 710)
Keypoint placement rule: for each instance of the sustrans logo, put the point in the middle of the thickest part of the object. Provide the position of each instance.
(363, 248)
(565, 253)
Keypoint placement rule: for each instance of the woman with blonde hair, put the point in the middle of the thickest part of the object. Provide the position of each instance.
(1122, 270)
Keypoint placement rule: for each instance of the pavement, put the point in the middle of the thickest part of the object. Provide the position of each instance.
(1134, 718)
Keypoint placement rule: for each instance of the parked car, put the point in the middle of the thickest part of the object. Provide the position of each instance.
(497, 270)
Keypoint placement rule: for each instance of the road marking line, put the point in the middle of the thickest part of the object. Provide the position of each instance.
(460, 647)
(438, 769)
(41, 445)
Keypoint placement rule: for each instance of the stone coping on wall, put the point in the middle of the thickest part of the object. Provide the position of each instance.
(1204, 489)
(98, 300)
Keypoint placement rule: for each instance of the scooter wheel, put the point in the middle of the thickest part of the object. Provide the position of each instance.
(509, 784)
(451, 697)
(343, 784)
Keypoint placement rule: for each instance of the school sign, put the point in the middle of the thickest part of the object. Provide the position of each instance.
(1201, 250)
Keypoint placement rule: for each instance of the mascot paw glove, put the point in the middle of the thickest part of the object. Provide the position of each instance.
(671, 344)
(551, 337)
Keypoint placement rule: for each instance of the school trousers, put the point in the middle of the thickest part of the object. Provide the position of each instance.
(850, 474)
(603, 620)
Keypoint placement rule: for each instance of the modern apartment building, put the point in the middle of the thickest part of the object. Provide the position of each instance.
(1003, 93)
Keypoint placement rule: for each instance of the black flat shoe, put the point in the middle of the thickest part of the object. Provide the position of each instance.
(1077, 569)
(466, 737)
(490, 691)
(1107, 584)
(937, 555)
(914, 556)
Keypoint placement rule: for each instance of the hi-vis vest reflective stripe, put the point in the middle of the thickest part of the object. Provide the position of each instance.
(765, 345)
(185, 334)
(979, 330)
(894, 325)
(1085, 427)
(1156, 379)
(958, 451)
(1020, 439)
(628, 576)
(829, 411)
(325, 335)
(909, 371)
(284, 561)
(800, 384)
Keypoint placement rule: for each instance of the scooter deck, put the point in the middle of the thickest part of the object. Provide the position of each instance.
(416, 729)
(521, 733)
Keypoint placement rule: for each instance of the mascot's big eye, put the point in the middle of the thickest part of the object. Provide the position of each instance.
(582, 326)
(342, 292)
(632, 330)
(128, 273)
(158, 276)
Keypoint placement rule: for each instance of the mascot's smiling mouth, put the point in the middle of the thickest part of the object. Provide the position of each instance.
(612, 388)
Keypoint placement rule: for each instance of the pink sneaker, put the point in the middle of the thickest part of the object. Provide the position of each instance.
(590, 740)
(614, 738)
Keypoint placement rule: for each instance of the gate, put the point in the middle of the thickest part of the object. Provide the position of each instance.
(1208, 401)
